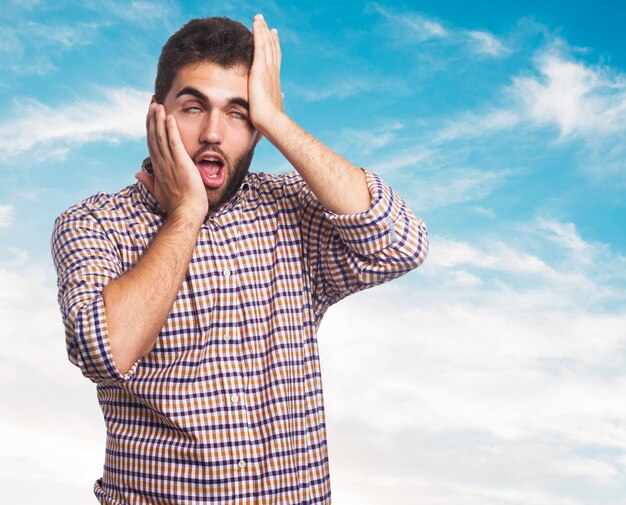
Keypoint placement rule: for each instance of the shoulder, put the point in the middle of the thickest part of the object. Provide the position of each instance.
(266, 185)
(99, 208)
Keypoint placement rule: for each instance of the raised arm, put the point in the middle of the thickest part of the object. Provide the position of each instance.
(138, 302)
(339, 185)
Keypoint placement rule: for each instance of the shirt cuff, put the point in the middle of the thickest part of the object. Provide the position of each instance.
(94, 350)
(371, 231)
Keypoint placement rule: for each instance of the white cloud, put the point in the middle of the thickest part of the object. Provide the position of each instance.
(485, 212)
(136, 10)
(345, 87)
(119, 115)
(575, 97)
(365, 142)
(410, 28)
(419, 28)
(468, 125)
(497, 256)
(407, 158)
(60, 35)
(564, 235)
(50, 421)
(489, 389)
(585, 105)
(449, 186)
(6, 216)
(486, 44)
(28, 48)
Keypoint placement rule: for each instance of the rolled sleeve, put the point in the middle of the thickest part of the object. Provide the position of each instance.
(375, 229)
(86, 261)
(91, 351)
(351, 252)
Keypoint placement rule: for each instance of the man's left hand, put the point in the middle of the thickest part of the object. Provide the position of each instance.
(265, 97)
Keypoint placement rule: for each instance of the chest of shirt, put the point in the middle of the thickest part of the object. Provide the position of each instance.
(246, 287)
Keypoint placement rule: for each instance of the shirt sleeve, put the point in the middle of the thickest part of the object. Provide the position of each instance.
(351, 252)
(86, 260)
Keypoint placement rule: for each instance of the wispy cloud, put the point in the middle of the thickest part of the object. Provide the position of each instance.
(486, 44)
(365, 142)
(451, 186)
(562, 103)
(29, 47)
(468, 370)
(418, 28)
(36, 377)
(498, 256)
(119, 115)
(6, 216)
(433, 178)
(136, 10)
(471, 124)
(564, 235)
(577, 98)
(60, 35)
(345, 87)
(414, 28)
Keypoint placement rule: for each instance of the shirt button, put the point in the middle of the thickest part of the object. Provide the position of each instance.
(242, 463)
(227, 337)
(226, 272)
(234, 398)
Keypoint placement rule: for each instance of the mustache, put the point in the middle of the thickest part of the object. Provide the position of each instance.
(211, 148)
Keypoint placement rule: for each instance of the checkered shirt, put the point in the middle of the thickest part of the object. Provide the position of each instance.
(227, 408)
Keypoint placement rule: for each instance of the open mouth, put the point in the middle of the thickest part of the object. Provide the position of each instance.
(211, 168)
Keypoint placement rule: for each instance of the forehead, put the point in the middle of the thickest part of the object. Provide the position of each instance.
(212, 80)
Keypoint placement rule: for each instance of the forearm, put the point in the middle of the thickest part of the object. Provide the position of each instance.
(339, 185)
(138, 302)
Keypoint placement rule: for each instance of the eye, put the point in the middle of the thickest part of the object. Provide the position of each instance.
(193, 109)
(238, 115)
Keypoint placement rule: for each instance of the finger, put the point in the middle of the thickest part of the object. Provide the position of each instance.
(276, 54)
(153, 147)
(162, 137)
(262, 35)
(257, 28)
(176, 145)
(276, 43)
(147, 180)
(269, 46)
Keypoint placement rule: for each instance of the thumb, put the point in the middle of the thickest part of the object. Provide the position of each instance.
(147, 180)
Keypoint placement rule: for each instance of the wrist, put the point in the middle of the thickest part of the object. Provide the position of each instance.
(187, 216)
(276, 124)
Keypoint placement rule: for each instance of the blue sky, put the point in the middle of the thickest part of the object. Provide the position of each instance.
(493, 374)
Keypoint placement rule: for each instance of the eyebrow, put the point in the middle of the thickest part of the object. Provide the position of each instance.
(236, 100)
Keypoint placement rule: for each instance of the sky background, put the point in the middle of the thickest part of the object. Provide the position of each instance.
(495, 373)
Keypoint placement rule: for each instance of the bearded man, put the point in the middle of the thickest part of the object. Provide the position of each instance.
(192, 297)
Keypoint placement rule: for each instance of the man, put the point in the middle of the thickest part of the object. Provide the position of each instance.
(192, 298)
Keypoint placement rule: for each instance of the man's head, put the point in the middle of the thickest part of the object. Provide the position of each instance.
(202, 80)
(222, 41)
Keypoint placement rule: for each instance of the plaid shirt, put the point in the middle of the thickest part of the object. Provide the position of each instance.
(227, 407)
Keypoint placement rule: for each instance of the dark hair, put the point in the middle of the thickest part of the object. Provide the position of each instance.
(217, 40)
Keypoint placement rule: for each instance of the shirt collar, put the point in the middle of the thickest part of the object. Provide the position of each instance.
(235, 202)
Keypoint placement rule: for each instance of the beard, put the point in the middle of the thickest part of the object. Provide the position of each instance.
(235, 174)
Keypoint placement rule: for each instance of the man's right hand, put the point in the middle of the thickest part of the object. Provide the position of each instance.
(137, 303)
(176, 183)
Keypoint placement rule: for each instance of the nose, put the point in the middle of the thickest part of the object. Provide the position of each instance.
(212, 128)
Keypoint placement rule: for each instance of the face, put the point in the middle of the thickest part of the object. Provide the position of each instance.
(210, 104)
